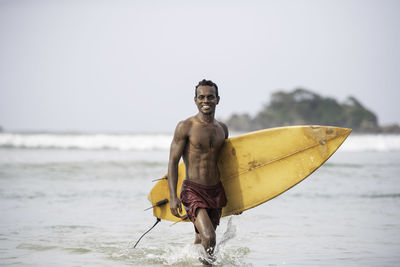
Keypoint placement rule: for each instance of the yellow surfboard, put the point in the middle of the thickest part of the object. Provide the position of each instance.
(258, 166)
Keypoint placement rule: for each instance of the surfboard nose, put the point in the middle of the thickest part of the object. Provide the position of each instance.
(342, 131)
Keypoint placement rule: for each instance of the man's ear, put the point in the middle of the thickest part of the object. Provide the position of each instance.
(218, 99)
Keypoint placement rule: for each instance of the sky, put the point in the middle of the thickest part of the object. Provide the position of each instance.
(132, 66)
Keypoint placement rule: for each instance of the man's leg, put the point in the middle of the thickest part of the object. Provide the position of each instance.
(206, 230)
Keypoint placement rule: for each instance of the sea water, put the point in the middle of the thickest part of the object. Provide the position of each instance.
(78, 200)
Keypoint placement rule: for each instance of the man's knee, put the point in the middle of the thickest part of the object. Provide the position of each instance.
(205, 228)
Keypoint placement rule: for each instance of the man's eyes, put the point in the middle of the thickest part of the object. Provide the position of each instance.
(210, 97)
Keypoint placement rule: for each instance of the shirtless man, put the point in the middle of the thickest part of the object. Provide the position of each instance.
(198, 140)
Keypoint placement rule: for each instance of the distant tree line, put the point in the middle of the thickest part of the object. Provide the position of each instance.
(301, 107)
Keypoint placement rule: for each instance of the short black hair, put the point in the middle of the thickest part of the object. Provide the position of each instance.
(206, 82)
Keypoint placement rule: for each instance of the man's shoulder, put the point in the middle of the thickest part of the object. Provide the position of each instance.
(185, 125)
(223, 125)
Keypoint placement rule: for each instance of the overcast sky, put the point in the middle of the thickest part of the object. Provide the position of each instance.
(116, 66)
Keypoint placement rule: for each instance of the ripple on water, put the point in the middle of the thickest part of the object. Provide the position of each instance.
(78, 250)
(35, 247)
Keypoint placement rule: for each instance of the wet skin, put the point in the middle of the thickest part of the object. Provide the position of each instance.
(198, 140)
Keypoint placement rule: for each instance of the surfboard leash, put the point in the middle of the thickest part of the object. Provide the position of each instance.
(180, 220)
(158, 220)
(159, 203)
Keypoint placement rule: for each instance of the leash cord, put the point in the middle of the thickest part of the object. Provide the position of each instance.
(158, 220)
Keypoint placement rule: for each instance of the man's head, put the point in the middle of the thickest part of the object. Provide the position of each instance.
(206, 97)
(206, 82)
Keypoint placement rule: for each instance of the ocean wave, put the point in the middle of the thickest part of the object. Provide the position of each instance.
(371, 142)
(123, 142)
(161, 142)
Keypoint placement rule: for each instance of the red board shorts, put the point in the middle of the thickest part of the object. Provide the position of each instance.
(211, 198)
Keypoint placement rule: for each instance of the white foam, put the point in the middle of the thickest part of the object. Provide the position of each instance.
(140, 142)
(189, 255)
(161, 142)
(371, 142)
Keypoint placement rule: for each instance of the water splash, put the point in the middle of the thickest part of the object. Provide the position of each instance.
(176, 254)
(230, 255)
(229, 234)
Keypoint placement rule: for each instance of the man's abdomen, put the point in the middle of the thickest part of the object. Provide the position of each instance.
(202, 168)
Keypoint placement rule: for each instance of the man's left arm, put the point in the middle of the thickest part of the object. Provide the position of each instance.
(223, 125)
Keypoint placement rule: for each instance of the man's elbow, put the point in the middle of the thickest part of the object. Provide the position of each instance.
(173, 163)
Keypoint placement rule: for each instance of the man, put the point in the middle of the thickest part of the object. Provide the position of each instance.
(198, 140)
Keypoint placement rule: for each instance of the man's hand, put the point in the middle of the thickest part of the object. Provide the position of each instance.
(176, 207)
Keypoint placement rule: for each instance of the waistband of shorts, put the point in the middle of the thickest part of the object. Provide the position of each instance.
(216, 186)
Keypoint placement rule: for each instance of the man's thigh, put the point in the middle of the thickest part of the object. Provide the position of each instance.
(203, 222)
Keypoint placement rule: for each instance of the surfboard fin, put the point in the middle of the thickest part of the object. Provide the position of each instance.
(159, 203)
(162, 178)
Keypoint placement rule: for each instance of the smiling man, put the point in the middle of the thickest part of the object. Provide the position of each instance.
(198, 141)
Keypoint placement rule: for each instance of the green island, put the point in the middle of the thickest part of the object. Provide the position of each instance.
(302, 107)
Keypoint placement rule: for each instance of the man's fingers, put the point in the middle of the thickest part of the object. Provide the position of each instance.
(174, 212)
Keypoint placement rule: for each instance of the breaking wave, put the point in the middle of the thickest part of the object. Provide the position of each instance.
(371, 142)
(136, 142)
(159, 142)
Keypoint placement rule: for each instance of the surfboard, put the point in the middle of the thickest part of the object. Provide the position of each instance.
(258, 166)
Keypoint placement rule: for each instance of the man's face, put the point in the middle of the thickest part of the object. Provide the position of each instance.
(206, 99)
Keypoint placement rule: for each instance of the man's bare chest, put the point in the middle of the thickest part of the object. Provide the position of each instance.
(207, 138)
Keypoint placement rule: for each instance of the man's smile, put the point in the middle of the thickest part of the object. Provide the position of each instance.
(206, 108)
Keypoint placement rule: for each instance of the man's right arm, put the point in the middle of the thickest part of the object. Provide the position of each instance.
(176, 151)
